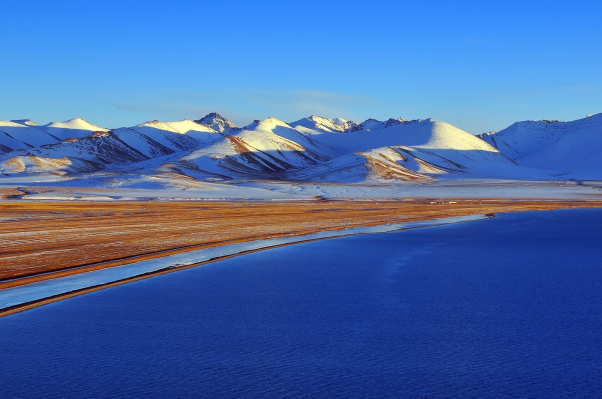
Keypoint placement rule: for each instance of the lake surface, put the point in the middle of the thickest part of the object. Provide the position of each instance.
(509, 307)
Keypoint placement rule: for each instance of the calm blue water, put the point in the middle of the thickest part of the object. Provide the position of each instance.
(507, 307)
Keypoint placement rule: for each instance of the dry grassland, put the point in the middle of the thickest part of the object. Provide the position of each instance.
(44, 240)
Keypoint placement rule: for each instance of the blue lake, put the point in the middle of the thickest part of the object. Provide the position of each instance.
(509, 307)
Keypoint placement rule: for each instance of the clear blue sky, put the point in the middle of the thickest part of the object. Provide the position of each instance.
(480, 65)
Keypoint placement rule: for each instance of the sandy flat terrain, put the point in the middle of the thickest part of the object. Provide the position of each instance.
(45, 240)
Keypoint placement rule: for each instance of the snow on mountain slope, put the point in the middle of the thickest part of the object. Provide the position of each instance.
(282, 129)
(76, 127)
(371, 124)
(314, 124)
(165, 135)
(570, 149)
(156, 138)
(428, 134)
(141, 142)
(396, 163)
(327, 131)
(8, 143)
(217, 123)
(433, 139)
(201, 133)
(380, 165)
(15, 136)
(373, 133)
(345, 137)
(27, 122)
(310, 149)
(88, 153)
(80, 140)
(522, 139)
(265, 148)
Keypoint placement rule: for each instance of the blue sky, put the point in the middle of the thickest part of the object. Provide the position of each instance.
(478, 65)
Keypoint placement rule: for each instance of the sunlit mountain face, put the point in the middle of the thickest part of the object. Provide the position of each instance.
(312, 149)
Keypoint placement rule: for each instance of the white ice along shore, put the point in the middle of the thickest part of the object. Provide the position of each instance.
(36, 291)
(213, 158)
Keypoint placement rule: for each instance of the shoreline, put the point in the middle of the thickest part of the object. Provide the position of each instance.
(332, 222)
(5, 311)
(53, 240)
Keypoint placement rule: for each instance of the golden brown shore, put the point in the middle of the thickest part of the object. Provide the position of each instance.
(46, 240)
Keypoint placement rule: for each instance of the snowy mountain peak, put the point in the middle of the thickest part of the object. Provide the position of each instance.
(158, 125)
(217, 122)
(75, 124)
(571, 149)
(268, 124)
(339, 121)
(212, 116)
(371, 124)
(392, 122)
(486, 134)
(76, 127)
(151, 123)
(320, 119)
(318, 123)
(313, 149)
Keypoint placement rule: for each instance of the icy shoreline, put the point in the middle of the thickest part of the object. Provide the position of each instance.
(29, 293)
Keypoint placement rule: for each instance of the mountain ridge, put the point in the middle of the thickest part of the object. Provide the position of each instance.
(318, 148)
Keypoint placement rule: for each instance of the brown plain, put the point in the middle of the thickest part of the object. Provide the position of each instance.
(46, 240)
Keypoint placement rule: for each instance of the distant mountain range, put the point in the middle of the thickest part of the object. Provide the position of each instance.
(313, 149)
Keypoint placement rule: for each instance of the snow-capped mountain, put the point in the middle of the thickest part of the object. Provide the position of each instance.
(158, 135)
(316, 124)
(263, 148)
(569, 149)
(73, 128)
(452, 151)
(310, 149)
(373, 166)
(17, 136)
(72, 156)
(28, 122)
(217, 123)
